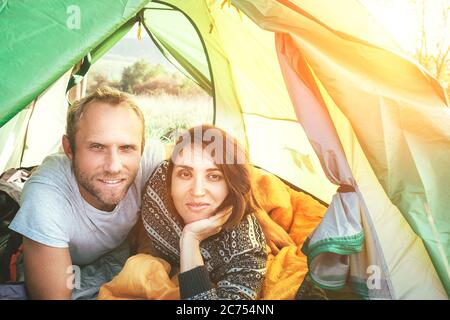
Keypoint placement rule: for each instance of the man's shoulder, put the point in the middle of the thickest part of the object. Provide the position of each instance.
(56, 160)
(153, 154)
(52, 176)
(45, 206)
(53, 168)
(154, 149)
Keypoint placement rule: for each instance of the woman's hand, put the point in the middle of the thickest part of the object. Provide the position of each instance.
(205, 228)
(194, 233)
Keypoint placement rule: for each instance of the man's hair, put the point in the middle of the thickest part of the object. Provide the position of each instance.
(107, 95)
(237, 173)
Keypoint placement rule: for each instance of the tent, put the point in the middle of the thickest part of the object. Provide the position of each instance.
(317, 91)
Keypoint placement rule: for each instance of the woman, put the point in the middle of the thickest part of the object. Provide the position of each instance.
(198, 209)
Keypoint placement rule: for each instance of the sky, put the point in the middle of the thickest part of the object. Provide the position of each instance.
(401, 18)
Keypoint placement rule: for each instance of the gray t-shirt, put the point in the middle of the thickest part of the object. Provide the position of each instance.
(52, 211)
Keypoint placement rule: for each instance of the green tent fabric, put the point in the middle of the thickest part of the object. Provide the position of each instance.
(320, 99)
(43, 36)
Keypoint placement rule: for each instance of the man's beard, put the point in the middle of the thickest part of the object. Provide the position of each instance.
(111, 198)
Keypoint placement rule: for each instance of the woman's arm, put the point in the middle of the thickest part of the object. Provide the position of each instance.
(194, 233)
(237, 274)
(194, 279)
(190, 256)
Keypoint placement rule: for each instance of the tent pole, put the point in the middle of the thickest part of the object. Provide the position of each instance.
(26, 131)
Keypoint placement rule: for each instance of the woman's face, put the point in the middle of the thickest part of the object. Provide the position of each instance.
(198, 186)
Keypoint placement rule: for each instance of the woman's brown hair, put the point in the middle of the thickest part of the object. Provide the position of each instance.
(231, 159)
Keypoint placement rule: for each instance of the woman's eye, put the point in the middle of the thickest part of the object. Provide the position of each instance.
(215, 177)
(184, 174)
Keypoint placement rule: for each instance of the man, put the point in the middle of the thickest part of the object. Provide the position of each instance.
(82, 204)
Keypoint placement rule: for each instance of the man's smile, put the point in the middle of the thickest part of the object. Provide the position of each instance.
(112, 182)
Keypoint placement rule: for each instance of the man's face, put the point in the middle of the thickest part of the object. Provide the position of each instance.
(107, 153)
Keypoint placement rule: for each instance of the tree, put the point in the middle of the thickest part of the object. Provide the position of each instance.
(431, 30)
(433, 51)
(136, 74)
(96, 79)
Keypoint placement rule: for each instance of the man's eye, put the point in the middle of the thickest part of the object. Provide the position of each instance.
(127, 148)
(97, 147)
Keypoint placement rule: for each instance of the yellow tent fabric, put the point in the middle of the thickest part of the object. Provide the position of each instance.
(353, 72)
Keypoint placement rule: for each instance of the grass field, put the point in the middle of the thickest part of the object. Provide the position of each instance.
(165, 113)
(164, 110)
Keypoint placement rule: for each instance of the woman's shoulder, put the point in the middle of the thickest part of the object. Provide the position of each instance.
(249, 229)
(158, 178)
(241, 246)
(245, 235)
(160, 171)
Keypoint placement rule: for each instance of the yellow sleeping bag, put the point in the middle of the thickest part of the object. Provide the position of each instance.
(145, 276)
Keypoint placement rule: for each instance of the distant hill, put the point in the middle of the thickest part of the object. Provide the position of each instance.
(132, 48)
